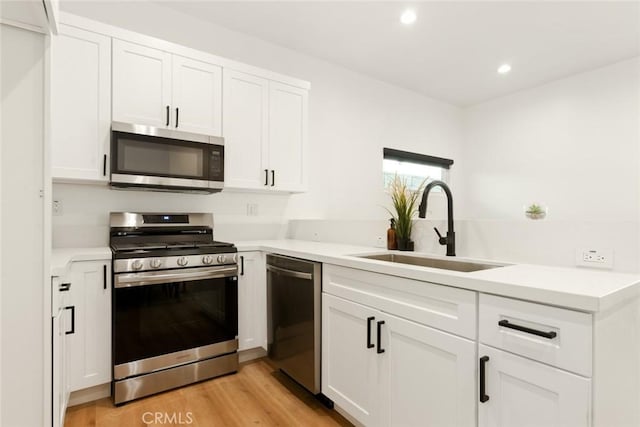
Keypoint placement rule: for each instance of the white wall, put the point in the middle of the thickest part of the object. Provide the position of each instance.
(572, 145)
(352, 117)
(21, 224)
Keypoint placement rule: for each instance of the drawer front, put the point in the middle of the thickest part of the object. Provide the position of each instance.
(441, 307)
(556, 336)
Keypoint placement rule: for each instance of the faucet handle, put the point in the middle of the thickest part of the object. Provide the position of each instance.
(441, 240)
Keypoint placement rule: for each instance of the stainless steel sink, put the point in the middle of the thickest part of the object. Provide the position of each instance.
(424, 261)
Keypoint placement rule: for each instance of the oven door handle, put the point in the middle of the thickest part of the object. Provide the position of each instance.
(127, 280)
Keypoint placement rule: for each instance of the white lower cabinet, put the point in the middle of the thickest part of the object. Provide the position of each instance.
(525, 393)
(60, 384)
(89, 345)
(350, 367)
(387, 371)
(252, 301)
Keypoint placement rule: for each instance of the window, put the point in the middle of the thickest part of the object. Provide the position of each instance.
(414, 167)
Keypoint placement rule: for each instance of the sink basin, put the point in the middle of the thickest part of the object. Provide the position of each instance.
(424, 261)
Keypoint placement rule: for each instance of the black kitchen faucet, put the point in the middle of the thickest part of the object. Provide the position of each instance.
(450, 240)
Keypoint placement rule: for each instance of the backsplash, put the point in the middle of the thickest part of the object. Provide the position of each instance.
(548, 242)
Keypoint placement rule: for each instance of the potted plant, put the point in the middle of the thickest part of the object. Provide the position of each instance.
(535, 211)
(405, 206)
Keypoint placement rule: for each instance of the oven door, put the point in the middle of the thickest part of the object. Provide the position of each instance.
(172, 317)
(143, 156)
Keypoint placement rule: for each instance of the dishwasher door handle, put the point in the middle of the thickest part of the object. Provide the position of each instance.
(290, 273)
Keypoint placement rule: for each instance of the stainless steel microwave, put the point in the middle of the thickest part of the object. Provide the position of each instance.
(150, 158)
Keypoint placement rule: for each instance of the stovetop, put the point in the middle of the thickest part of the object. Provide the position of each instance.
(122, 250)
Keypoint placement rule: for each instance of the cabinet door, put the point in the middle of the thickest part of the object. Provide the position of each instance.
(196, 96)
(350, 370)
(252, 301)
(89, 348)
(288, 136)
(429, 376)
(80, 104)
(244, 129)
(141, 85)
(59, 325)
(525, 393)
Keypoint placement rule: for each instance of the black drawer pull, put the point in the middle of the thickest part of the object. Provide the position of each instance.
(64, 287)
(548, 335)
(273, 178)
(73, 319)
(369, 320)
(104, 276)
(104, 165)
(483, 395)
(379, 335)
(241, 265)
(177, 112)
(167, 116)
(266, 177)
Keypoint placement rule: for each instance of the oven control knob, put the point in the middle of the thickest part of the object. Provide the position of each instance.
(207, 259)
(221, 259)
(182, 261)
(137, 264)
(155, 263)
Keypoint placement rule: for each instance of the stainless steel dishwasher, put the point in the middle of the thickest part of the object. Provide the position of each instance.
(293, 318)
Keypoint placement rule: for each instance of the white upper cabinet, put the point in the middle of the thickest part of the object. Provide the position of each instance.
(287, 136)
(265, 130)
(197, 96)
(156, 88)
(80, 105)
(141, 85)
(245, 130)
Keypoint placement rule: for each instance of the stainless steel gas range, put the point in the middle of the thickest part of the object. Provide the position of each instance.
(175, 302)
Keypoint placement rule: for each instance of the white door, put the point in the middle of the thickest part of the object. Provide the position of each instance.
(89, 347)
(252, 301)
(525, 393)
(244, 128)
(288, 136)
(141, 85)
(197, 96)
(430, 376)
(350, 368)
(80, 105)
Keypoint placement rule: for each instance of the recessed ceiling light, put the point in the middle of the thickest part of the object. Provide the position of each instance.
(504, 68)
(408, 17)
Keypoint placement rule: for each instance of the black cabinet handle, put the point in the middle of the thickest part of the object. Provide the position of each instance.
(266, 177)
(73, 319)
(104, 276)
(64, 287)
(241, 265)
(379, 335)
(273, 177)
(167, 116)
(548, 335)
(369, 320)
(483, 396)
(177, 112)
(104, 165)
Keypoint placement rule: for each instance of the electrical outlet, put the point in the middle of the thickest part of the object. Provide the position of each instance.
(381, 242)
(252, 209)
(316, 236)
(595, 258)
(57, 207)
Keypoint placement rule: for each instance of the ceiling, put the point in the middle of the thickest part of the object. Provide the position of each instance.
(452, 51)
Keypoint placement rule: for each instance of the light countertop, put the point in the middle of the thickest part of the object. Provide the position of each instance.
(60, 258)
(576, 288)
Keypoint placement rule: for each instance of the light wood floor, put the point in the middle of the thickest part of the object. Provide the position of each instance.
(256, 395)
